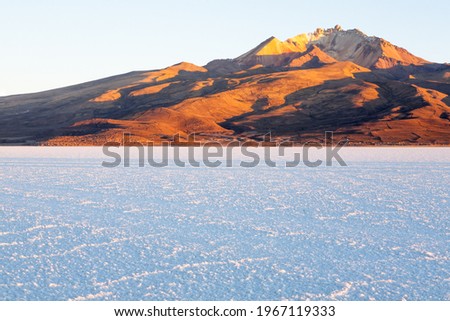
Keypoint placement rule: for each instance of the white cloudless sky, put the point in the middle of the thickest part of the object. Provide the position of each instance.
(48, 44)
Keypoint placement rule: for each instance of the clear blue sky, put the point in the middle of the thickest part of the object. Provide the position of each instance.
(47, 44)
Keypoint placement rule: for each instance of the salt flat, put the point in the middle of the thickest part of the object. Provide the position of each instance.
(374, 230)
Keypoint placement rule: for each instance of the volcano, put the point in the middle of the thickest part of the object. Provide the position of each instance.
(363, 88)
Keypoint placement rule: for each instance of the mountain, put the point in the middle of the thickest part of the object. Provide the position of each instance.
(363, 88)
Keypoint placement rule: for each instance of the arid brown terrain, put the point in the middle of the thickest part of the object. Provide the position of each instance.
(365, 89)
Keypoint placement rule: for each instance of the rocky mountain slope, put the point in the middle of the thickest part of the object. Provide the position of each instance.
(363, 88)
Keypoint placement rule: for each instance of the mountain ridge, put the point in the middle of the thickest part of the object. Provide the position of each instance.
(352, 45)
